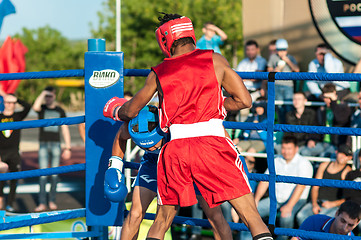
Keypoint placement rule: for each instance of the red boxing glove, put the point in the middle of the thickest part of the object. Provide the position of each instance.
(112, 107)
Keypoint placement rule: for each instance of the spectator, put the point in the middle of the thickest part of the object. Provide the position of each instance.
(302, 116)
(326, 200)
(252, 63)
(357, 68)
(335, 114)
(50, 149)
(346, 219)
(9, 145)
(2, 95)
(272, 48)
(128, 95)
(81, 129)
(325, 63)
(355, 175)
(290, 197)
(253, 141)
(283, 62)
(356, 116)
(213, 37)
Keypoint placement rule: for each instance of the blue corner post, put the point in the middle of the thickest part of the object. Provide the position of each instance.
(104, 79)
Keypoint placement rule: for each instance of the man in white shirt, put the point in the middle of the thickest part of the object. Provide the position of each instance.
(290, 197)
(252, 63)
(325, 63)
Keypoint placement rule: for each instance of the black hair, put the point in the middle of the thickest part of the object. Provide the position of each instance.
(207, 23)
(180, 42)
(351, 208)
(167, 17)
(252, 42)
(128, 93)
(289, 139)
(329, 87)
(272, 42)
(50, 89)
(300, 92)
(321, 45)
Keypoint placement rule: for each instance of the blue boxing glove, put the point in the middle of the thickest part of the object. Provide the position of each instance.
(114, 181)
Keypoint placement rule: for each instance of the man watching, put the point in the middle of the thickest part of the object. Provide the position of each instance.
(213, 37)
(290, 197)
(325, 63)
(252, 63)
(9, 146)
(346, 219)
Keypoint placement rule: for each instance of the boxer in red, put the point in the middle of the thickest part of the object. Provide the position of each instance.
(189, 83)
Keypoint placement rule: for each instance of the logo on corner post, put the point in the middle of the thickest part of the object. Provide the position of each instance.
(339, 25)
(104, 78)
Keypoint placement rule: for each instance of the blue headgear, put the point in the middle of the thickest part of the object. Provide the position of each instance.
(142, 136)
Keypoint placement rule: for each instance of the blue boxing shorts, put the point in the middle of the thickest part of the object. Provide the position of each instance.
(147, 174)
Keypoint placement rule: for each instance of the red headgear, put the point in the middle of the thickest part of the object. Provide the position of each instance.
(174, 30)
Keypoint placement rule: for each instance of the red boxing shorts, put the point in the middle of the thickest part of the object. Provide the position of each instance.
(211, 162)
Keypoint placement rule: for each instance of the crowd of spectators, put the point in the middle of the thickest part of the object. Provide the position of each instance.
(50, 151)
(313, 103)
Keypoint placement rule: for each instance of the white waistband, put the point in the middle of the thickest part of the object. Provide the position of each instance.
(213, 127)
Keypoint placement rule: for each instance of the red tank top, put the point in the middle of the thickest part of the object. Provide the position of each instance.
(190, 92)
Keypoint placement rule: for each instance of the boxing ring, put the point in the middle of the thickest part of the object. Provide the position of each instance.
(104, 77)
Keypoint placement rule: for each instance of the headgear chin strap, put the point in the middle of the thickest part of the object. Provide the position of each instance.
(144, 137)
(174, 30)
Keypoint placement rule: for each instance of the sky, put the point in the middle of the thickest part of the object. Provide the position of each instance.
(70, 17)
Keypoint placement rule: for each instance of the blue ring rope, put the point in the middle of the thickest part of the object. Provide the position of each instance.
(42, 172)
(52, 217)
(287, 179)
(295, 128)
(44, 74)
(42, 123)
(144, 72)
(307, 181)
(278, 76)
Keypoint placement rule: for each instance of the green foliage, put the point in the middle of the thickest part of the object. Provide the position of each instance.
(48, 50)
(139, 20)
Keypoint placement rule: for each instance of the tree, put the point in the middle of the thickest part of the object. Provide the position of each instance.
(48, 51)
(139, 21)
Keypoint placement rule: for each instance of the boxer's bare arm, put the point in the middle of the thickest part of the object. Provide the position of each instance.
(131, 108)
(120, 141)
(232, 83)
